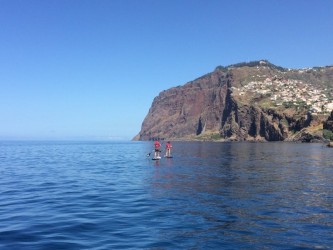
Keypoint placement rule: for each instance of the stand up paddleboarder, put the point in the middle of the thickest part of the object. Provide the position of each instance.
(157, 146)
(168, 147)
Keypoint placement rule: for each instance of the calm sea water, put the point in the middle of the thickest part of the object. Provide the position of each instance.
(109, 195)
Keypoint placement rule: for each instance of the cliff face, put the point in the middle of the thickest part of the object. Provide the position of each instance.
(241, 102)
(328, 124)
(248, 122)
(187, 111)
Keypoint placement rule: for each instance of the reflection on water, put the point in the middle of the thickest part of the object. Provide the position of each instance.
(109, 195)
(247, 194)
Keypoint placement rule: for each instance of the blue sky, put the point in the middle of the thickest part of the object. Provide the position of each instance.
(90, 69)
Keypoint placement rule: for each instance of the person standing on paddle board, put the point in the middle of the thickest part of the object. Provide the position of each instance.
(157, 146)
(168, 147)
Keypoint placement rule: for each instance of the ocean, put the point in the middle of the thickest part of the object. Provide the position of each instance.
(111, 195)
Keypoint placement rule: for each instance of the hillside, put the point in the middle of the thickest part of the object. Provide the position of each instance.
(256, 101)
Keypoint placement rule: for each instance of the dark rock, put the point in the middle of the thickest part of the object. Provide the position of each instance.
(328, 124)
(208, 108)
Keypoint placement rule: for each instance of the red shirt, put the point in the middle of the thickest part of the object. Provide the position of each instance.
(157, 144)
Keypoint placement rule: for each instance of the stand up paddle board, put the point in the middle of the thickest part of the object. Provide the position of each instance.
(156, 158)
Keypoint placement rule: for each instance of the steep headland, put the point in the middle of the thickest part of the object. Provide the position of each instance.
(256, 101)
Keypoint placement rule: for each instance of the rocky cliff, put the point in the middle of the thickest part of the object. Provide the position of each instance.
(254, 101)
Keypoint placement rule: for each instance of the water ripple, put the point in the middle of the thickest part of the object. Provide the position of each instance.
(102, 195)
